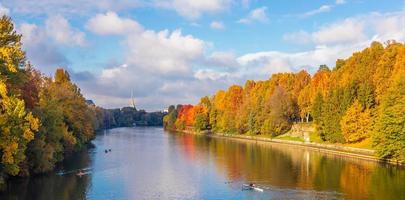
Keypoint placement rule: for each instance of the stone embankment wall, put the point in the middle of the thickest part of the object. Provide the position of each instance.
(302, 130)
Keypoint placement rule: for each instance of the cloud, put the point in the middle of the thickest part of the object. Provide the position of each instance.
(43, 42)
(59, 29)
(209, 74)
(217, 25)
(346, 31)
(41, 52)
(322, 9)
(193, 10)
(4, 10)
(164, 52)
(339, 2)
(373, 26)
(111, 24)
(222, 59)
(258, 14)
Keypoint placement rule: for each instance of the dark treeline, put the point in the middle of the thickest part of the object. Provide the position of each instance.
(360, 100)
(126, 117)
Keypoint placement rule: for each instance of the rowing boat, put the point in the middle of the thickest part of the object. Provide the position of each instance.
(249, 187)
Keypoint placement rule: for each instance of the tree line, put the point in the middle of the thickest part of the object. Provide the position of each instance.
(362, 97)
(126, 117)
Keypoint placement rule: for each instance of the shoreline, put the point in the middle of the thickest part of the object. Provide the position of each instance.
(351, 152)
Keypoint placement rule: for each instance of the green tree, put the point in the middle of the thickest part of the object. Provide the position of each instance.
(316, 109)
(332, 110)
(170, 119)
(389, 130)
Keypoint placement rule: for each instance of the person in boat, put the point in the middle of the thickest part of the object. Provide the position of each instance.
(106, 151)
(252, 185)
(81, 173)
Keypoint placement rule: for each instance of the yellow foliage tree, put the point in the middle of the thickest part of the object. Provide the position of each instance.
(17, 128)
(356, 124)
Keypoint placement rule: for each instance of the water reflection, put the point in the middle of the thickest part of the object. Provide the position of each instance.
(297, 172)
(148, 163)
(53, 186)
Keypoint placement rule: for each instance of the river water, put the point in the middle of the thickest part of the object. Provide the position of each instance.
(149, 163)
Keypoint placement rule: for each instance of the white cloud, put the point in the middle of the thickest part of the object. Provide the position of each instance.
(4, 10)
(59, 29)
(41, 52)
(164, 52)
(222, 59)
(339, 2)
(194, 9)
(111, 24)
(346, 31)
(258, 14)
(209, 74)
(387, 26)
(217, 25)
(322, 9)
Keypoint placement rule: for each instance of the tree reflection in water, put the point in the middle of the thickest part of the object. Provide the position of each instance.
(52, 186)
(283, 168)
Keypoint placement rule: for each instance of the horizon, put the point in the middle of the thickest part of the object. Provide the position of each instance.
(113, 48)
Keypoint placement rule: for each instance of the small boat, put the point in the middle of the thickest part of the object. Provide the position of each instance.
(251, 187)
(80, 174)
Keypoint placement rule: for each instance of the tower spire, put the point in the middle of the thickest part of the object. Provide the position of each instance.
(132, 100)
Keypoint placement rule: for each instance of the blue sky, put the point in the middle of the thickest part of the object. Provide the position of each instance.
(175, 51)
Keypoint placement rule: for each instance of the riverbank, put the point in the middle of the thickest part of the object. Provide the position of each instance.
(360, 153)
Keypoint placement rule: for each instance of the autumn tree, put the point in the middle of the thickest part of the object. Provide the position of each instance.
(201, 113)
(389, 130)
(356, 123)
(17, 126)
(170, 119)
(283, 112)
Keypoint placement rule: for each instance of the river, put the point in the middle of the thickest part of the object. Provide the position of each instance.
(149, 163)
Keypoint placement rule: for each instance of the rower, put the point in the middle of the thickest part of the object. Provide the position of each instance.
(80, 174)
